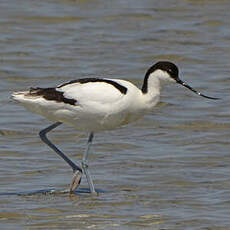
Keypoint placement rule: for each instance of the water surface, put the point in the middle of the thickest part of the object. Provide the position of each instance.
(169, 170)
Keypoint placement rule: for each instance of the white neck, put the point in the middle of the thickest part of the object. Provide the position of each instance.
(152, 86)
(152, 96)
(152, 83)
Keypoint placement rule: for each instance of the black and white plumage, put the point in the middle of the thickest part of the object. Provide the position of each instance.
(95, 104)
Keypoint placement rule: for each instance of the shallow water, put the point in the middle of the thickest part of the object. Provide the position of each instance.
(169, 170)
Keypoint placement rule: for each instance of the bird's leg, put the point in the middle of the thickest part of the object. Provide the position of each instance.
(76, 169)
(85, 164)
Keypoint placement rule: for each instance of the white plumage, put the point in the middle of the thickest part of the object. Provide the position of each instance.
(95, 104)
(99, 105)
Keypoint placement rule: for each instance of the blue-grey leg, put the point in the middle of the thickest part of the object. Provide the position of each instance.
(76, 169)
(85, 164)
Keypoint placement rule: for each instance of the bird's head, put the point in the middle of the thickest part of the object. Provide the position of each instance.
(167, 72)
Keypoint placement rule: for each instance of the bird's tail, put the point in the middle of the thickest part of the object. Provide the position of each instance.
(31, 94)
(19, 96)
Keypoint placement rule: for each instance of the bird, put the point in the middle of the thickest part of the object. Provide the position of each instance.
(95, 104)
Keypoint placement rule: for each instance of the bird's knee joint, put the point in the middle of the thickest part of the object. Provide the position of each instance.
(84, 164)
(42, 135)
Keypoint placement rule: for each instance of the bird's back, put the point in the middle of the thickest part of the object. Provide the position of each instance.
(88, 104)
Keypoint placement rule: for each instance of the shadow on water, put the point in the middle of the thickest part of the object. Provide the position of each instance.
(51, 191)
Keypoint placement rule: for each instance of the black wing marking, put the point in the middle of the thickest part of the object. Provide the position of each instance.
(51, 94)
(118, 86)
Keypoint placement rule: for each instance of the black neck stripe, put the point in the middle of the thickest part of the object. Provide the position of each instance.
(118, 86)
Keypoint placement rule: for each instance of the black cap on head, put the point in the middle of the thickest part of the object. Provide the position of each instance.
(166, 66)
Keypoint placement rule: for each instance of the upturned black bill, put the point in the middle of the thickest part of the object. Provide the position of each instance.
(200, 94)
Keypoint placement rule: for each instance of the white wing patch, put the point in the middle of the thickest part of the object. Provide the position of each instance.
(97, 92)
